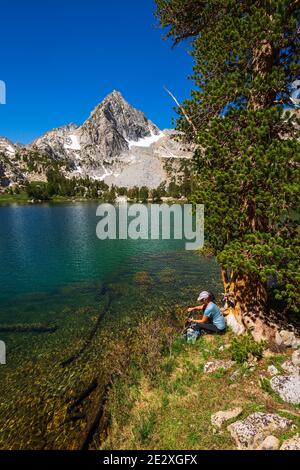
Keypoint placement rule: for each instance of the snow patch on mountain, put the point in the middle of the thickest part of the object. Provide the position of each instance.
(146, 141)
(72, 142)
(117, 144)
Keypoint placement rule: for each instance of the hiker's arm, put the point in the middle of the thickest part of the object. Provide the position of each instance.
(203, 320)
(199, 307)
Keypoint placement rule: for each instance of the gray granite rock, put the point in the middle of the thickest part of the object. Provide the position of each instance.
(232, 323)
(217, 364)
(251, 432)
(269, 443)
(296, 358)
(286, 338)
(117, 144)
(219, 418)
(287, 387)
(273, 370)
(289, 367)
(291, 444)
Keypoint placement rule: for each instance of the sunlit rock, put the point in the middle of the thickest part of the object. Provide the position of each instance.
(252, 431)
(219, 418)
(287, 387)
(217, 364)
(291, 444)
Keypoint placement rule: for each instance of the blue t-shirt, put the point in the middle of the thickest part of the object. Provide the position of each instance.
(212, 311)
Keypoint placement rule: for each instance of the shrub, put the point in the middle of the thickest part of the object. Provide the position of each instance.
(244, 346)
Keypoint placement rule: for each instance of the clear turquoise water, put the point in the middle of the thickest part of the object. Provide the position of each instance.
(54, 270)
(44, 247)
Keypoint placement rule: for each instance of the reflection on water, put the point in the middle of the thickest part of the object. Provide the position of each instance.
(55, 272)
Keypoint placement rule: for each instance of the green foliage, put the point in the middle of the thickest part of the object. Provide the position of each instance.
(122, 191)
(146, 426)
(144, 193)
(174, 190)
(265, 385)
(110, 196)
(156, 195)
(241, 119)
(220, 373)
(58, 185)
(134, 193)
(38, 191)
(171, 413)
(244, 346)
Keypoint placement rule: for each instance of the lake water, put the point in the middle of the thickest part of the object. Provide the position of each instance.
(55, 272)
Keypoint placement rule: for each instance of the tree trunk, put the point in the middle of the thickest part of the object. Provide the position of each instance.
(246, 300)
(264, 57)
(246, 296)
(246, 308)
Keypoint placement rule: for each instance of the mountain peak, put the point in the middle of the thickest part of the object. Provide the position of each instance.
(114, 94)
(115, 116)
(115, 98)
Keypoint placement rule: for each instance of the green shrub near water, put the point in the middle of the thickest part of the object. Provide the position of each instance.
(244, 346)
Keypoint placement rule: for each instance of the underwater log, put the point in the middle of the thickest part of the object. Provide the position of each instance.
(76, 355)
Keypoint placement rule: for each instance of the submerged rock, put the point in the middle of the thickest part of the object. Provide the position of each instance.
(219, 418)
(252, 431)
(217, 364)
(287, 387)
(291, 444)
(143, 278)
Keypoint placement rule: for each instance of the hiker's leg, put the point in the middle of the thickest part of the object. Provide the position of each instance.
(196, 326)
(209, 327)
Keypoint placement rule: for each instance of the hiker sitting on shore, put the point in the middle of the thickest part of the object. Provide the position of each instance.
(212, 319)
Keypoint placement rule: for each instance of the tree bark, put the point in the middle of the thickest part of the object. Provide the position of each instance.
(264, 57)
(246, 299)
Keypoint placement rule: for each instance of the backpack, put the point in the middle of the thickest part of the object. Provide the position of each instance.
(191, 335)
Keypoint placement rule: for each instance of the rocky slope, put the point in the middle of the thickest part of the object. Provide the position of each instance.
(117, 144)
(10, 171)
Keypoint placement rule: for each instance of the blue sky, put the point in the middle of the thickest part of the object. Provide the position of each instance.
(59, 59)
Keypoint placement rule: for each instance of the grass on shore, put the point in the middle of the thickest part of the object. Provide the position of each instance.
(174, 410)
(23, 198)
(7, 198)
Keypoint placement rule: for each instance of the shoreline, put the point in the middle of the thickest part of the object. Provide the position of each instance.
(22, 200)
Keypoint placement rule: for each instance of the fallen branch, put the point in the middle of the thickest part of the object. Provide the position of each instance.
(95, 418)
(182, 110)
(84, 394)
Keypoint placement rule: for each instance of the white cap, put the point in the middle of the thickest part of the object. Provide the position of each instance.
(204, 295)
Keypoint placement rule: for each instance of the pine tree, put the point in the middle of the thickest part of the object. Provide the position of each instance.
(144, 194)
(242, 120)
